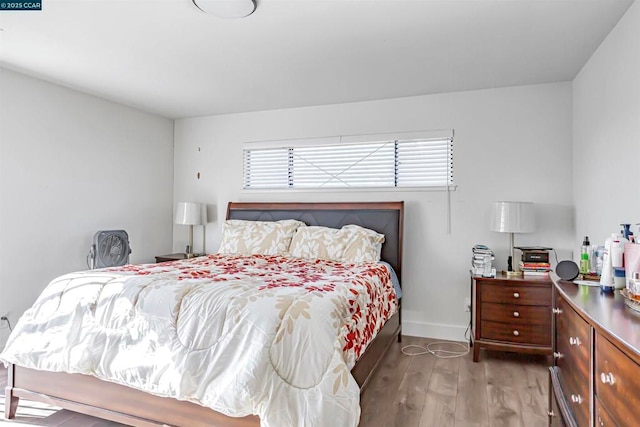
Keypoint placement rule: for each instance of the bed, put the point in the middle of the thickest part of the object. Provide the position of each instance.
(113, 401)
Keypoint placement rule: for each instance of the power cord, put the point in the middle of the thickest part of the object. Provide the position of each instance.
(440, 353)
(6, 319)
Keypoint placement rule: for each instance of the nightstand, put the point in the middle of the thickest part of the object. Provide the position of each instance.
(171, 257)
(511, 314)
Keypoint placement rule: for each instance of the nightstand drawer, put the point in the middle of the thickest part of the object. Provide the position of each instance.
(521, 333)
(518, 294)
(517, 314)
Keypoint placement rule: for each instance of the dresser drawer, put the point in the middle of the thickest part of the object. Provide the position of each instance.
(575, 386)
(617, 382)
(521, 333)
(603, 418)
(561, 413)
(516, 294)
(573, 344)
(573, 338)
(517, 314)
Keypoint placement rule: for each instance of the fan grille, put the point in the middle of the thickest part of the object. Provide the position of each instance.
(111, 248)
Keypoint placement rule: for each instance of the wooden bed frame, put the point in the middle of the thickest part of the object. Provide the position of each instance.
(89, 395)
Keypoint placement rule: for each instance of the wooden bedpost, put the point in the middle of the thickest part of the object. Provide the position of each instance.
(10, 401)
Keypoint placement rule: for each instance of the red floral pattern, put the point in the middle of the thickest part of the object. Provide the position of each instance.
(364, 289)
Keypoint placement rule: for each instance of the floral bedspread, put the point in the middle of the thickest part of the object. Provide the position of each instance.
(265, 335)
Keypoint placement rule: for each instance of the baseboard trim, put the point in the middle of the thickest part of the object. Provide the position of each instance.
(434, 330)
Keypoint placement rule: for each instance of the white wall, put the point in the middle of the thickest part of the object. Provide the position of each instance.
(606, 128)
(72, 164)
(510, 144)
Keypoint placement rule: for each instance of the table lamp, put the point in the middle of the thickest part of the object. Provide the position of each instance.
(512, 217)
(189, 213)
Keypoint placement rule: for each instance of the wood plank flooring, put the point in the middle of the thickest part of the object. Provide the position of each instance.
(502, 389)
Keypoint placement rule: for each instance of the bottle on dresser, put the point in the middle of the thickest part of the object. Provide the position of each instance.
(597, 259)
(606, 278)
(585, 265)
(613, 272)
(634, 286)
(617, 261)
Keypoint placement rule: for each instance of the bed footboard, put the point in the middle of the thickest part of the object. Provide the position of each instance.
(91, 396)
(10, 400)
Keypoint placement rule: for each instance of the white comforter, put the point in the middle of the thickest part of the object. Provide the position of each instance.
(263, 335)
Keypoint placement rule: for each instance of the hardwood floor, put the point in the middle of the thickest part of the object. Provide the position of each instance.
(503, 389)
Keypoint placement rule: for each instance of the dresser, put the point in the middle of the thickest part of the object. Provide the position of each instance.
(511, 313)
(595, 377)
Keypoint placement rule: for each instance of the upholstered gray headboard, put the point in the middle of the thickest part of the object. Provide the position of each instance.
(384, 217)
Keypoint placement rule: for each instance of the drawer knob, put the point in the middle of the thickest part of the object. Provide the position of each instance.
(516, 314)
(576, 398)
(516, 295)
(557, 310)
(574, 341)
(551, 413)
(557, 354)
(607, 378)
(516, 333)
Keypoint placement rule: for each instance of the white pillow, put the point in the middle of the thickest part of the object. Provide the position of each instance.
(364, 245)
(316, 242)
(240, 237)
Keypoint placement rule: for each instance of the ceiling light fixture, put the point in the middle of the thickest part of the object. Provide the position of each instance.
(228, 9)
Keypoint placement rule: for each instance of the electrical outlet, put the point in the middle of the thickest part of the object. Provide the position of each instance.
(467, 304)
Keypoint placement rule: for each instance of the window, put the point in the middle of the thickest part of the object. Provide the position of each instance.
(390, 163)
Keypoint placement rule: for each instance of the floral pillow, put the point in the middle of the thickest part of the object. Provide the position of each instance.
(315, 242)
(240, 237)
(364, 245)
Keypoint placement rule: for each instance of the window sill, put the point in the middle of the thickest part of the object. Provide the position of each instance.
(350, 190)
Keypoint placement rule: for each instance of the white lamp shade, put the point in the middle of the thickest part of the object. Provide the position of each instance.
(512, 217)
(189, 213)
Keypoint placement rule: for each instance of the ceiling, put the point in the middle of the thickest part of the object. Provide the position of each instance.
(170, 58)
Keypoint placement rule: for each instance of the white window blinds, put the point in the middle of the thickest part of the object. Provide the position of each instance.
(392, 163)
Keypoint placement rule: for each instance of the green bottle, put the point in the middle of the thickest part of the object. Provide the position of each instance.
(585, 266)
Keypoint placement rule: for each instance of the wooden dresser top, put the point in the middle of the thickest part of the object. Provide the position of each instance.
(606, 312)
